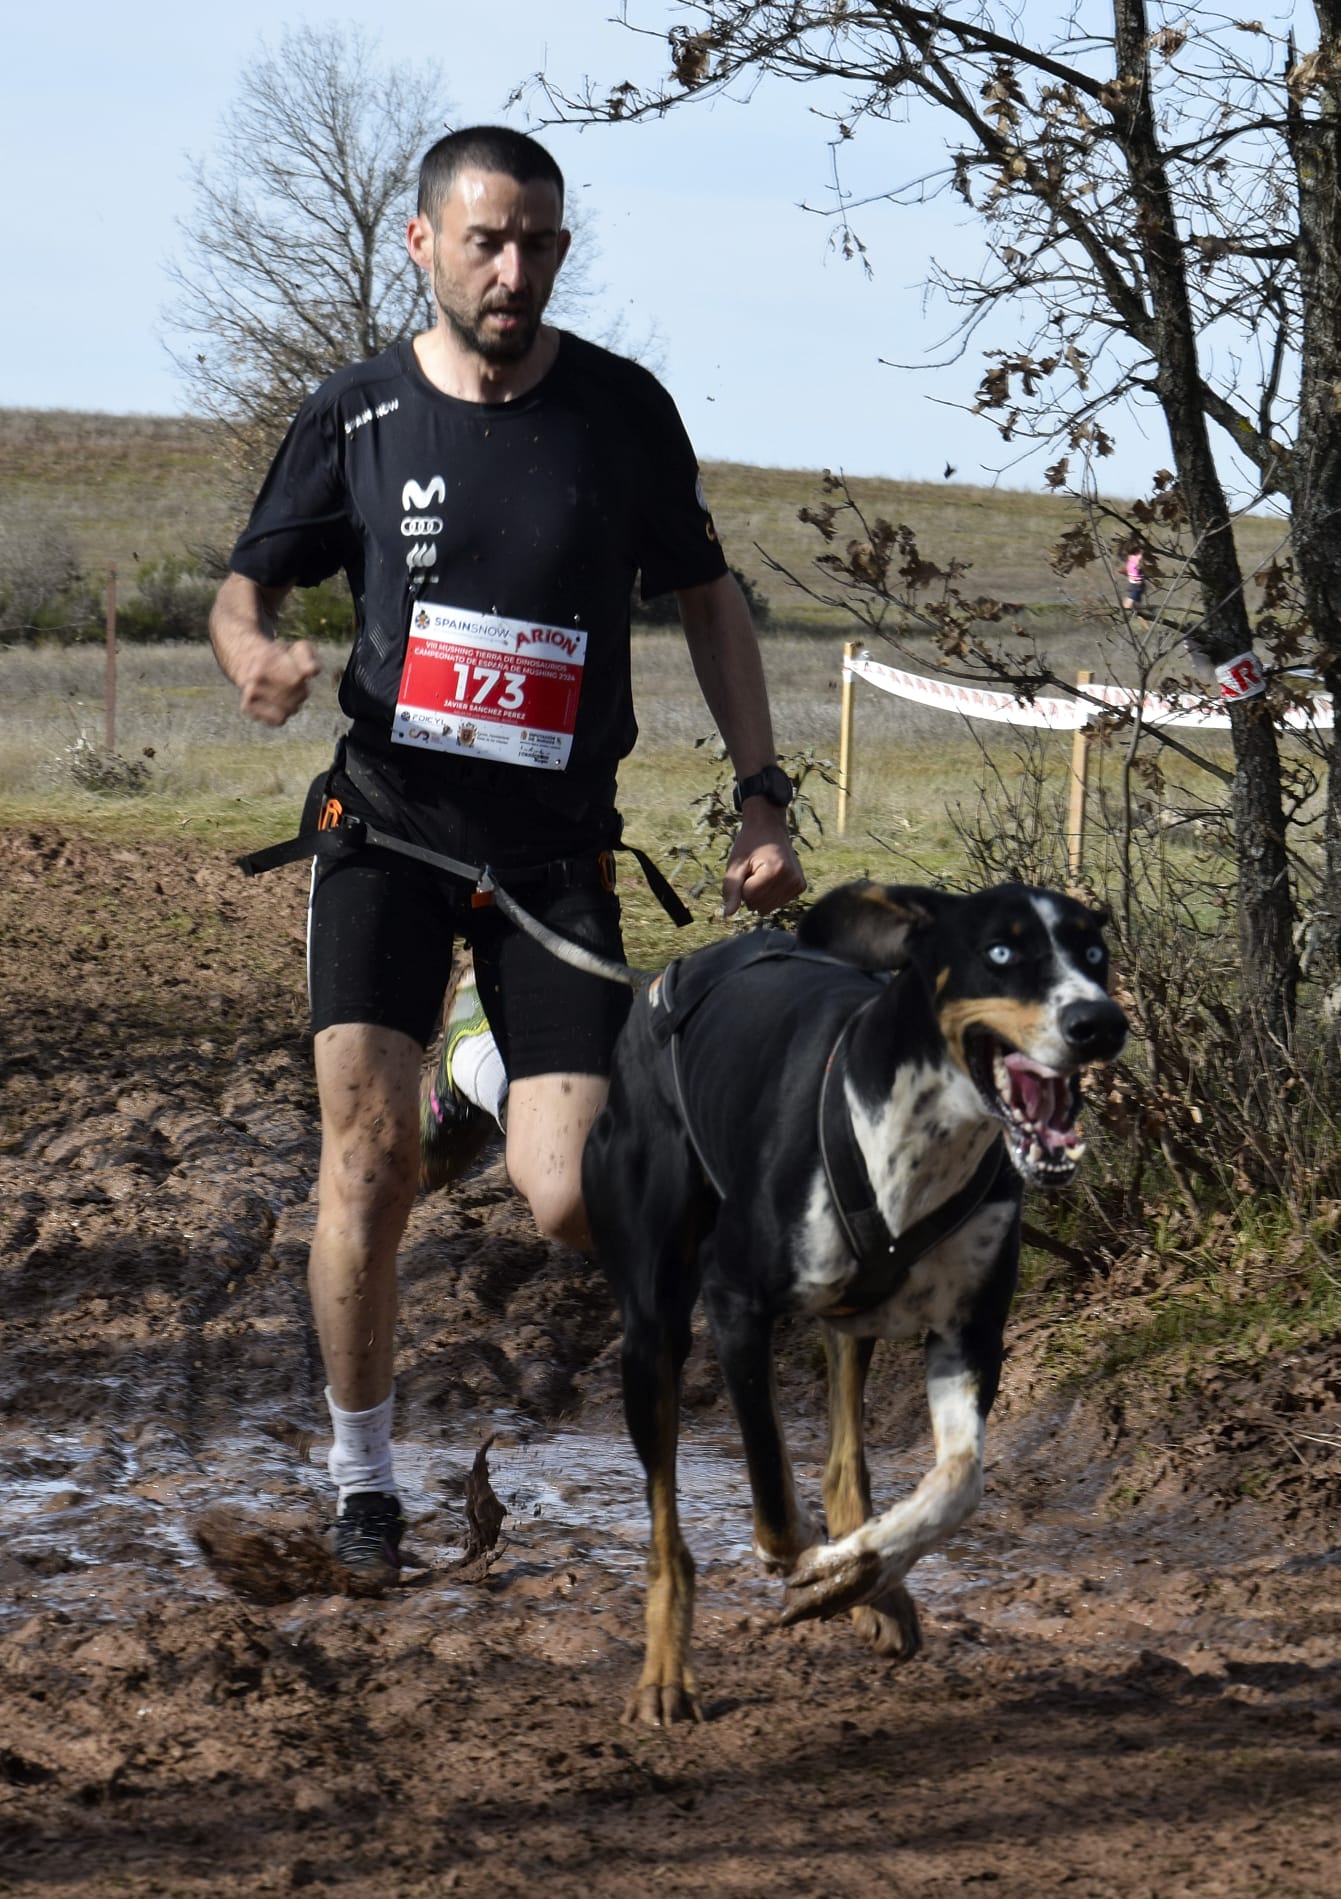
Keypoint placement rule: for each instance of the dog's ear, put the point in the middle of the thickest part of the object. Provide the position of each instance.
(869, 924)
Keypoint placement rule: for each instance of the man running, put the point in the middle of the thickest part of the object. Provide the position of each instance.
(491, 488)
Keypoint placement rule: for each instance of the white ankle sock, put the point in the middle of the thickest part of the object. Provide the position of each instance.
(478, 1071)
(360, 1457)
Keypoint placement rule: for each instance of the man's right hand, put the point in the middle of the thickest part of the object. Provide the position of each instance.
(277, 680)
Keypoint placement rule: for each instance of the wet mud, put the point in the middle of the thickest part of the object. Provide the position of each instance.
(1127, 1687)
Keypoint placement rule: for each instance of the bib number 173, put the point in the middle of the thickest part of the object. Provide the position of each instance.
(478, 685)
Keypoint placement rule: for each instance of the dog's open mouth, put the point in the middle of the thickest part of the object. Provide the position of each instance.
(1038, 1105)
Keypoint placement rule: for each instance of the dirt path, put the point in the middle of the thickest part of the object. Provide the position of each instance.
(1108, 1704)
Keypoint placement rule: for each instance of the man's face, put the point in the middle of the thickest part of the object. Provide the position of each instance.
(492, 260)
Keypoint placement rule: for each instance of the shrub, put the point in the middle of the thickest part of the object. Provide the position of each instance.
(42, 589)
(172, 601)
(321, 613)
(107, 773)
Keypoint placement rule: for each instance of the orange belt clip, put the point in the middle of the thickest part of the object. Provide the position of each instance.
(331, 813)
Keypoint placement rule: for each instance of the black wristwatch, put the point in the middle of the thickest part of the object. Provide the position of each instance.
(771, 783)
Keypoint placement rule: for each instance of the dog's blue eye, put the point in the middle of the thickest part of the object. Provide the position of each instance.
(1094, 954)
(999, 953)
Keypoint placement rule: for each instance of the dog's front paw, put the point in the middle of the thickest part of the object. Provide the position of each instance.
(828, 1580)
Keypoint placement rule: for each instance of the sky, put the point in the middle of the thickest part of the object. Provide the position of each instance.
(770, 342)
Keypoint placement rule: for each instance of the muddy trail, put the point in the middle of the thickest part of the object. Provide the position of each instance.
(1132, 1700)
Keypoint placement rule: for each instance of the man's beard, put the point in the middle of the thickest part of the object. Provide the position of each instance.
(470, 330)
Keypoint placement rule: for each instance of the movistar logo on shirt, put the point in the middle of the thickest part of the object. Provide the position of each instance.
(417, 526)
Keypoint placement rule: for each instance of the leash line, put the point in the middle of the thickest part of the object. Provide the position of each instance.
(350, 833)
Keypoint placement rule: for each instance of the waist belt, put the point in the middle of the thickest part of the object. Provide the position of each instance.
(339, 834)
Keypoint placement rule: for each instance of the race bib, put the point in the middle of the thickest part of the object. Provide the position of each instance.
(485, 687)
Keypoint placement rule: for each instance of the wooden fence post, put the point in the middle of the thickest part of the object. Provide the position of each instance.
(845, 738)
(1080, 771)
(109, 692)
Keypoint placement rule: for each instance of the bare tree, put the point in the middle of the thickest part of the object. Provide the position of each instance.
(1159, 197)
(293, 261)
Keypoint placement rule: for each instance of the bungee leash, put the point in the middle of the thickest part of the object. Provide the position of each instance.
(339, 833)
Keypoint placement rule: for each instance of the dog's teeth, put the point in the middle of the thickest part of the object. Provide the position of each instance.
(1035, 1153)
(1078, 1151)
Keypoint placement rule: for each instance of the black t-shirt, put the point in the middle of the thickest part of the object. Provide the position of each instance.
(543, 510)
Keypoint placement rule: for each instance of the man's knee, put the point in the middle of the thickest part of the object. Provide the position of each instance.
(371, 1169)
(549, 1117)
(556, 1205)
(368, 1081)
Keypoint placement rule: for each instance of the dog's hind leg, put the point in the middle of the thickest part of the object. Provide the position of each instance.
(889, 1622)
(652, 1362)
(743, 1335)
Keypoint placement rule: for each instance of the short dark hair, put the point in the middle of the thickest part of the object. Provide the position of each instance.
(482, 148)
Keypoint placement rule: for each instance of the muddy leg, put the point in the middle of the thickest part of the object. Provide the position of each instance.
(889, 1622)
(744, 1339)
(368, 1079)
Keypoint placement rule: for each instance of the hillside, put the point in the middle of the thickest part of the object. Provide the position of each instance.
(130, 489)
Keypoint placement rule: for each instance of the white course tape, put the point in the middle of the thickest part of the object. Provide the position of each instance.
(1063, 715)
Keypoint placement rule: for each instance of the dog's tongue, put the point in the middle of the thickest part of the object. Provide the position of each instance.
(1042, 1097)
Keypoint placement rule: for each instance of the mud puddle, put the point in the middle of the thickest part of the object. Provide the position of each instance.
(90, 1520)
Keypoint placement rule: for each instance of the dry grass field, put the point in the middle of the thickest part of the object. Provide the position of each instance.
(132, 489)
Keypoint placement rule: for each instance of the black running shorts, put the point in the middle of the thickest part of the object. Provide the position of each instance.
(381, 928)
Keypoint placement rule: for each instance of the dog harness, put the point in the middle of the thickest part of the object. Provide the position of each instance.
(883, 1259)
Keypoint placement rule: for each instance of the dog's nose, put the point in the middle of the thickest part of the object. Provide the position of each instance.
(1095, 1030)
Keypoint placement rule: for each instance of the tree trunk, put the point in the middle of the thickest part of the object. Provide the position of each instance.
(1315, 488)
(1265, 907)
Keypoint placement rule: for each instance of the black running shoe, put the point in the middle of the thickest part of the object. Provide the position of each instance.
(367, 1535)
(452, 1130)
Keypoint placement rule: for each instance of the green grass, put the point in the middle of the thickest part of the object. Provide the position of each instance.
(1263, 1289)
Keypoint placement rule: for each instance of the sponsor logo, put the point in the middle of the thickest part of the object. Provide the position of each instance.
(417, 526)
(413, 496)
(466, 733)
(421, 619)
(365, 416)
(548, 636)
(1242, 677)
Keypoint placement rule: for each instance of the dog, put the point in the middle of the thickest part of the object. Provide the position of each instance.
(838, 1123)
